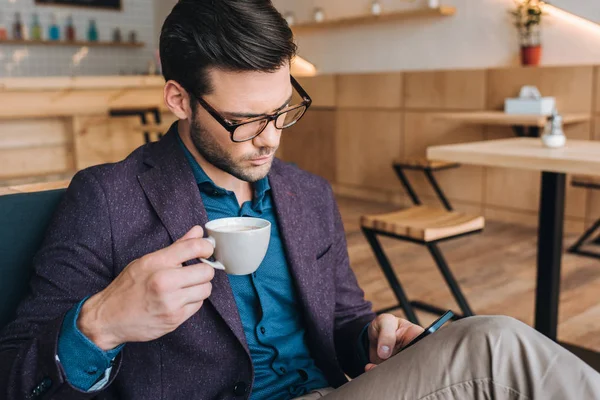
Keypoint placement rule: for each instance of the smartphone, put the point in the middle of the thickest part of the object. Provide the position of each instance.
(432, 328)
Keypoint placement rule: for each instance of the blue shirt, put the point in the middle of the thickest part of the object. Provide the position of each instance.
(267, 300)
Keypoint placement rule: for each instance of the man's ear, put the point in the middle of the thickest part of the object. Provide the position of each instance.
(177, 100)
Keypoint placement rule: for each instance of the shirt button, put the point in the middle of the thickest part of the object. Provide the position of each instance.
(283, 370)
(254, 274)
(91, 370)
(262, 330)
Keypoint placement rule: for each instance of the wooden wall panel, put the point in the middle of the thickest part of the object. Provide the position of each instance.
(519, 189)
(367, 142)
(311, 143)
(446, 90)
(593, 209)
(572, 86)
(321, 89)
(370, 91)
(422, 130)
(597, 89)
(36, 161)
(512, 189)
(35, 147)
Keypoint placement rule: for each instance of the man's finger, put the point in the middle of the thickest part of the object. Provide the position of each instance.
(195, 294)
(182, 251)
(386, 341)
(195, 232)
(406, 333)
(193, 275)
(369, 367)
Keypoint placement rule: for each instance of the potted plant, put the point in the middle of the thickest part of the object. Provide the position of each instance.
(528, 17)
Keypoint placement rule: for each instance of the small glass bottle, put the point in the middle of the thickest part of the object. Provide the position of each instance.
(554, 136)
(92, 31)
(319, 14)
(117, 36)
(36, 28)
(3, 31)
(290, 18)
(53, 30)
(375, 7)
(70, 30)
(18, 27)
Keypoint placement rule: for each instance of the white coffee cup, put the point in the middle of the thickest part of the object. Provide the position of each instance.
(240, 243)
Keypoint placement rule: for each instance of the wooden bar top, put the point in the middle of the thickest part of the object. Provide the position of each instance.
(503, 119)
(24, 98)
(80, 83)
(34, 187)
(577, 157)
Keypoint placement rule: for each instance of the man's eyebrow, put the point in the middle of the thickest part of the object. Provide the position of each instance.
(235, 115)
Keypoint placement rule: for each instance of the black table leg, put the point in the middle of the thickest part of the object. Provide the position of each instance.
(550, 237)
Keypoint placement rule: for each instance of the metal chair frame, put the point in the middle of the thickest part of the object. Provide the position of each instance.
(432, 246)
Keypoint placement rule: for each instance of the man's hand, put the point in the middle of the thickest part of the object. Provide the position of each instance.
(387, 336)
(152, 296)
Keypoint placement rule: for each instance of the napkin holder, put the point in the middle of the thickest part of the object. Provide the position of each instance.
(530, 101)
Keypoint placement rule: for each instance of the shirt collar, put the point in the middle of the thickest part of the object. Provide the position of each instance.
(206, 184)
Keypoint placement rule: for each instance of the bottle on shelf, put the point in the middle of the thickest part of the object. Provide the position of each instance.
(53, 30)
(117, 36)
(17, 30)
(3, 31)
(70, 30)
(92, 31)
(36, 28)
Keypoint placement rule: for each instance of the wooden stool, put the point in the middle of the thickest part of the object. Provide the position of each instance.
(422, 225)
(590, 183)
(428, 167)
(141, 113)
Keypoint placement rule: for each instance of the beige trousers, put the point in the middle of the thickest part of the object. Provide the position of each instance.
(476, 358)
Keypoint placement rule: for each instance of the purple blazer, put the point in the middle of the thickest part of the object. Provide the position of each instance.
(113, 214)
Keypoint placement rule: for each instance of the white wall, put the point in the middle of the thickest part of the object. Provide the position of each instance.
(162, 8)
(137, 15)
(589, 9)
(480, 35)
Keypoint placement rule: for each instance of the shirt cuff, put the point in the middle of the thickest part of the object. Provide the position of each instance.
(363, 345)
(84, 363)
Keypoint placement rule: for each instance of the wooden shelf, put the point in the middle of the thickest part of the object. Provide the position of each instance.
(442, 11)
(76, 43)
(503, 119)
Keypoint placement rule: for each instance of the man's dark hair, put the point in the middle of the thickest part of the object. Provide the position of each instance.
(233, 35)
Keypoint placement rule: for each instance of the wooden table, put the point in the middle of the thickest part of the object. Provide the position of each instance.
(577, 157)
(524, 125)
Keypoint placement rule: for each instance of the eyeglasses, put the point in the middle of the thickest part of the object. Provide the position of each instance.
(250, 128)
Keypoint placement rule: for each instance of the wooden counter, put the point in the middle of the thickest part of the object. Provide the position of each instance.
(60, 124)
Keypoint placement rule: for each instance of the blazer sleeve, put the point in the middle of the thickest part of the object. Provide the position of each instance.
(352, 311)
(75, 261)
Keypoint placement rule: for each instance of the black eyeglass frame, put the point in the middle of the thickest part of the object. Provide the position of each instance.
(231, 126)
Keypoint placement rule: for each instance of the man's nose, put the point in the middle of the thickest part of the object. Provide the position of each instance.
(269, 137)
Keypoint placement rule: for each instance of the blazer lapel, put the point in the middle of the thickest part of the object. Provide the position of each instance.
(295, 227)
(173, 193)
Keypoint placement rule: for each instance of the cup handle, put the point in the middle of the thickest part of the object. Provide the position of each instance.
(214, 264)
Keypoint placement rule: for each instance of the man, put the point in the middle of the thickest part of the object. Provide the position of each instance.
(121, 307)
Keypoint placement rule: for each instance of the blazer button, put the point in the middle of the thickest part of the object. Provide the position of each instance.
(240, 389)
